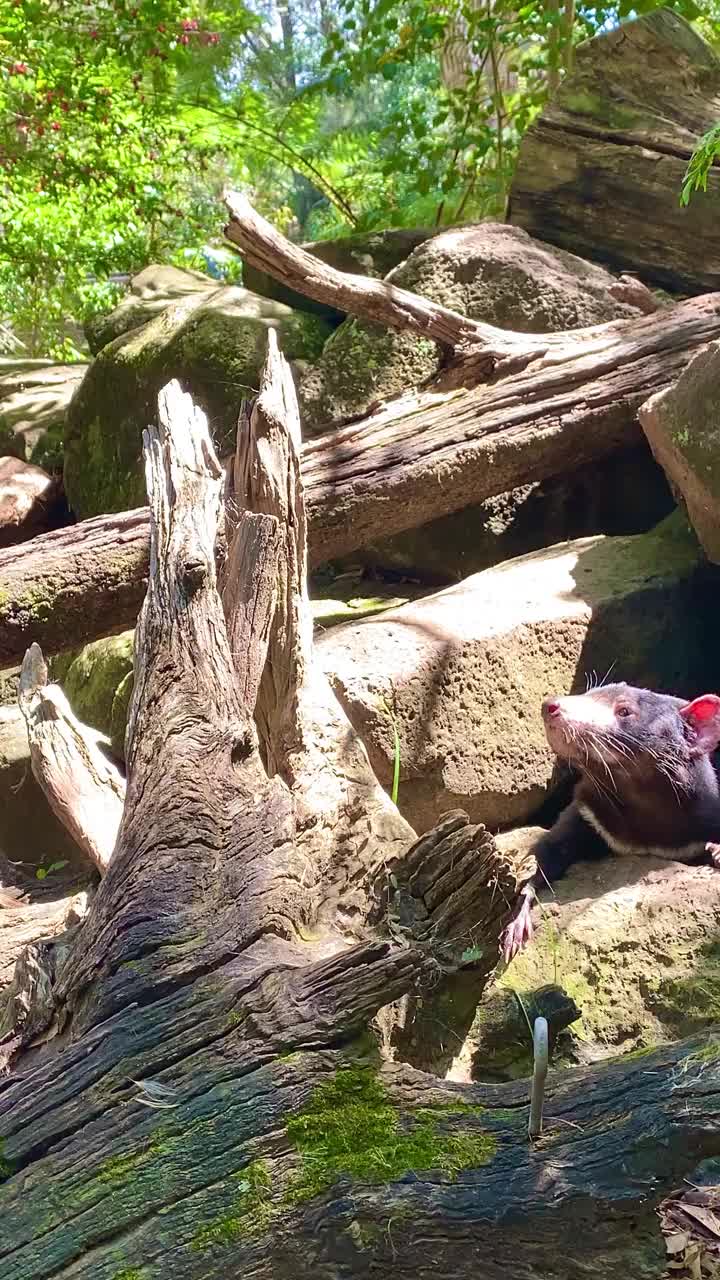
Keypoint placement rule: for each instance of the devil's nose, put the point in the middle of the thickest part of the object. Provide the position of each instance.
(551, 708)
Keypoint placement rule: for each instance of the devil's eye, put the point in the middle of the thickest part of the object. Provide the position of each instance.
(623, 712)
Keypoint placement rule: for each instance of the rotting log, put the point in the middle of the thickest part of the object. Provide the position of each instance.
(416, 459)
(199, 1096)
(601, 169)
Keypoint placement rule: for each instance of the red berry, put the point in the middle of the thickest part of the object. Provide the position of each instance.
(55, 126)
(49, 96)
(40, 131)
(93, 34)
(183, 39)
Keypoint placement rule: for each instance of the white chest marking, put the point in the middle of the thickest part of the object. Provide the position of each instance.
(684, 853)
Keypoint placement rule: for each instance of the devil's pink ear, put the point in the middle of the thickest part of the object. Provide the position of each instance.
(703, 714)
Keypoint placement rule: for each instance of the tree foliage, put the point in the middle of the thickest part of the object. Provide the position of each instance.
(120, 121)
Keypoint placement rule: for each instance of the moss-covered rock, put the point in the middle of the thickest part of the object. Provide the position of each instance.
(150, 291)
(92, 680)
(214, 343)
(633, 941)
(491, 272)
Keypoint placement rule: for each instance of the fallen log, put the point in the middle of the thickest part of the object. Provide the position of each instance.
(601, 170)
(414, 460)
(211, 1104)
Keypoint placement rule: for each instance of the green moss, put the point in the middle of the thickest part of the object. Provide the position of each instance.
(641, 1052)
(6, 1168)
(710, 1052)
(117, 1169)
(350, 1128)
(252, 1212)
(36, 603)
(693, 1001)
(95, 676)
(130, 1273)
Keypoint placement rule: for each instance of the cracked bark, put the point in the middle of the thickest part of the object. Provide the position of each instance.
(235, 953)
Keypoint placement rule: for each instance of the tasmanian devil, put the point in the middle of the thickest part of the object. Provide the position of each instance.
(646, 784)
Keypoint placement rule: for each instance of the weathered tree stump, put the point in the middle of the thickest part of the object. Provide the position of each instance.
(194, 1090)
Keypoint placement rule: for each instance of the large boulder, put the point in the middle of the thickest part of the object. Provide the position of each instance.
(30, 501)
(601, 168)
(150, 291)
(682, 424)
(631, 941)
(625, 493)
(371, 253)
(34, 398)
(462, 673)
(491, 272)
(215, 343)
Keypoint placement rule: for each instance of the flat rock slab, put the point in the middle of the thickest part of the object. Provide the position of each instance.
(633, 942)
(682, 424)
(601, 169)
(462, 673)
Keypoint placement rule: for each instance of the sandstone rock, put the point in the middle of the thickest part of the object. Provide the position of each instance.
(214, 343)
(29, 501)
(630, 941)
(627, 493)
(682, 424)
(463, 672)
(491, 272)
(34, 397)
(150, 291)
(373, 253)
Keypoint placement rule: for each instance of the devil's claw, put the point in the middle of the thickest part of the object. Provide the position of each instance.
(517, 934)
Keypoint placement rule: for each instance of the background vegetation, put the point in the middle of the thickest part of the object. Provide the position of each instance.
(121, 120)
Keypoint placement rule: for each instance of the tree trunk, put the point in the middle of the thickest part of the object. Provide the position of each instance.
(195, 1093)
(600, 171)
(418, 458)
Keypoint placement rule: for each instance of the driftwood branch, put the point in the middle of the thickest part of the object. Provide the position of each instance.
(380, 476)
(266, 249)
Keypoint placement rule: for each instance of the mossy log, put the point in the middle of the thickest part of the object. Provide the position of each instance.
(601, 170)
(194, 1090)
(414, 460)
